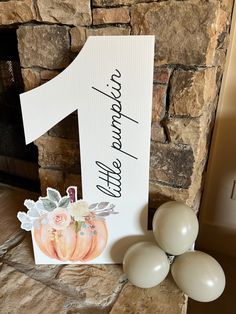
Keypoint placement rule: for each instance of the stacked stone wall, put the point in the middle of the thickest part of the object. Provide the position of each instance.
(191, 44)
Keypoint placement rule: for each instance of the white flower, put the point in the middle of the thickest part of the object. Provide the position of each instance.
(78, 210)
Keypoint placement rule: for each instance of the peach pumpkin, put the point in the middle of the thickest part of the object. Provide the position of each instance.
(73, 245)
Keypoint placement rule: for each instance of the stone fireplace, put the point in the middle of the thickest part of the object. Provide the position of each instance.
(191, 45)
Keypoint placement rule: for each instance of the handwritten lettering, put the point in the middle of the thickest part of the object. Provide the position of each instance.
(111, 178)
(116, 108)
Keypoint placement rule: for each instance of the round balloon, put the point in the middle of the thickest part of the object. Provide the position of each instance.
(145, 264)
(198, 275)
(175, 227)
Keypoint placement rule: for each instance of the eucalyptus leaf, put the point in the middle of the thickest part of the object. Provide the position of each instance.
(106, 212)
(64, 201)
(33, 212)
(22, 216)
(103, 214)
(48, 204)
(27, 226)
(53, 195)
(92, 206)
(39, 205)
(29, 204)
(103, 205)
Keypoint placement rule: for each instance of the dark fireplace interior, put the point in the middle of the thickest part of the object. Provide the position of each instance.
(18, 162)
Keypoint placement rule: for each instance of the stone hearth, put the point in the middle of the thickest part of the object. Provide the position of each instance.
(67, 289)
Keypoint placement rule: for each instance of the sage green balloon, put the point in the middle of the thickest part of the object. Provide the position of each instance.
(175, 227)
(198, 275)
(145, 264)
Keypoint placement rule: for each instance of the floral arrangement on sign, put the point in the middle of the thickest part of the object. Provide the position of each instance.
(65, 228)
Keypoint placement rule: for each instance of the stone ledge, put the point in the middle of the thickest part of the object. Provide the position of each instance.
(22, 294)
(79, 289)
(11, 202)
(165, 298)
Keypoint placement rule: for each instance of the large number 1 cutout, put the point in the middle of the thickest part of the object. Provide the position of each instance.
(110, 83)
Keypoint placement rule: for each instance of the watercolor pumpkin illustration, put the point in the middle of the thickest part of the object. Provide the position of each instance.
(65, 228)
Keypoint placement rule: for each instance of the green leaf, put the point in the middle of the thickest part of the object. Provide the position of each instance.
(64, 201)
(53, 195)
(48, 204)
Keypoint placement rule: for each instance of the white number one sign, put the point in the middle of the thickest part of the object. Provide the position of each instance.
(110, 84)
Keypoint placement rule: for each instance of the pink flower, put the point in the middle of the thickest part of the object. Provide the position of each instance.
(59, 219)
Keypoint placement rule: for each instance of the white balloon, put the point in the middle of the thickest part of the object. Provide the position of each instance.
(145, 264)
(175, 227)
(198, 275)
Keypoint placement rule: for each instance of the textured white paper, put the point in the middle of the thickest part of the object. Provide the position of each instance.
(110, 83)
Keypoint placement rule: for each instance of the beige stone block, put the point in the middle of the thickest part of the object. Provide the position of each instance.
(111, 16)
(22, 294)
(14, 11)
(185, 131)
(227, 5)
(186, 31)
(159, 193)
(31, 78)
(162, 75)
(171, 164)
(164, 298)
(66, 128)
(57, 152)
(192, 92)
(158, 102)
(98, 283)
(158, 133)
(108, 31)
(114, 3)
(47, 75)
(46, 46)
(51, 178)
(59, 180)
(78, 38)
(70, 12)
(193, 132)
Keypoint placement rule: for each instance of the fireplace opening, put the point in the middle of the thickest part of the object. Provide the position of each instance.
(18, 161)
